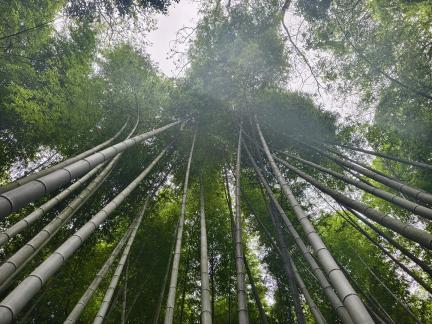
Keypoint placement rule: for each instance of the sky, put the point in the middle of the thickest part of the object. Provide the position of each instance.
(186, 14)
(182, 14)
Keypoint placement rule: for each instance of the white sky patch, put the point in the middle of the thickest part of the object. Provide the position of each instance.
(162, 39)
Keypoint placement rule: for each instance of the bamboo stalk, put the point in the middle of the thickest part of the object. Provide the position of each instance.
(13, 200)
(169, 312)
(24, 292)
(322, 280)
(346, 292)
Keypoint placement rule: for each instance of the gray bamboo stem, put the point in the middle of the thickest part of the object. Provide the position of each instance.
(392, 183)
(262, 314)
(165, 279)
(411, 273)
(243, 316)
(11, 267)
(346, 292)
(392, 198)
(206, 313)
(397, 299)
(13, 200)
(289, 270)
(13, 303)
(60, 165)
(169, 312)
(16, 263)
(103, 309)
(387, 156)
(410, 232)
(124, 304)
(24, 223)
(322, 280)
(393, 242)
(319, 318)
(85, 298)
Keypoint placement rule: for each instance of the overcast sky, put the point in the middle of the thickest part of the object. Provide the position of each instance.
(185, 14)
(179, 15)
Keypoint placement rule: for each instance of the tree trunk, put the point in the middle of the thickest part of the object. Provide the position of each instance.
(410, 232)
(243, 316)
(206, 311)
(24, 292)
(13, 200)
(103, 309)
(387, 156)
(325, 285)
(347, 294)
(60, 165)
(392, 198)
(169, 312)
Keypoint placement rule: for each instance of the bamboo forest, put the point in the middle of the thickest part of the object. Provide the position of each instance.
(216, 161)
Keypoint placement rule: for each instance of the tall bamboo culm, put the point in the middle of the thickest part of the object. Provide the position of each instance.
(10, 268)
(416, 193)
(319, 318)
(392, 198)
(410, 232)
(322, 280)
(206, 314)
(24, 223)
(13, 200)
(13, 303)
(103, 309)
(243, 315)
(60, 165)
(387, 156)
(85, 298)
(169, 312)
(346, 292)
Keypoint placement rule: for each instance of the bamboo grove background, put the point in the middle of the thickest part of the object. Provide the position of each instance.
(219, 195)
